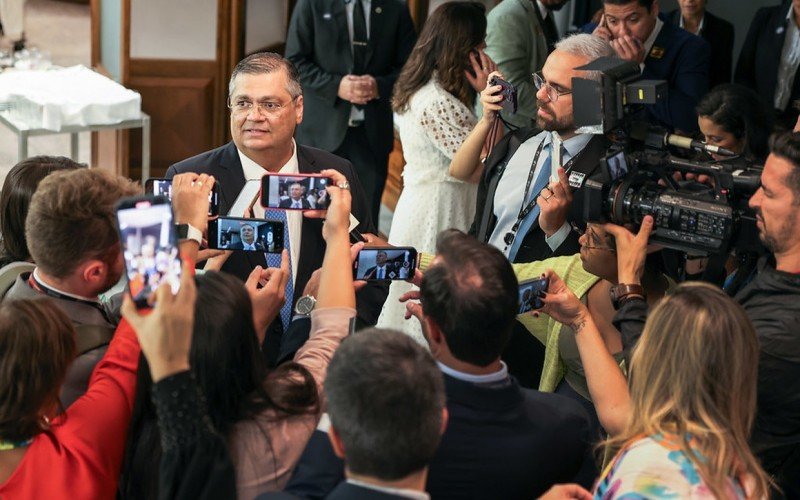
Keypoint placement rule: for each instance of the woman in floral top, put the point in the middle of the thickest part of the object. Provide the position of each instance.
(691, 398)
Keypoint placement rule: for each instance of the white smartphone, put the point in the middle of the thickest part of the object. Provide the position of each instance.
(246, 199)
(555, 161)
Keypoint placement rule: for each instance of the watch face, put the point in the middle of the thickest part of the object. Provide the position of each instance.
(305, 305)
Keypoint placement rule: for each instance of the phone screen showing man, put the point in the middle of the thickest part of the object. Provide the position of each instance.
(530, 294)
(385, 264)
(249, 235)
(295, 192)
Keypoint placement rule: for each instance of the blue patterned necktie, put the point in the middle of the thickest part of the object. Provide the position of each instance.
(541, 181)
(274, 260)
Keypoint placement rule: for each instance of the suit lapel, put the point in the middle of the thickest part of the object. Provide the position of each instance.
(376, 27)
(230, 177)
(343, 49)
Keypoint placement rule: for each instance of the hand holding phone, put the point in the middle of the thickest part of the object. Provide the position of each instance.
(508, 92)
(163, 187)
(295, 191)
(377, 264)
(531, 293)
(149, 246)
(190, 198)
(253, 235)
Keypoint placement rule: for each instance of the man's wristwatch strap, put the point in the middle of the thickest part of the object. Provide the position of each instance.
(622, 293)
(189, 232)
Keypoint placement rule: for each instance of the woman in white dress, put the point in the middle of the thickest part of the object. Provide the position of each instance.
(434, 101)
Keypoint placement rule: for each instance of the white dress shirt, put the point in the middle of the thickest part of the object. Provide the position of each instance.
(790, 60)
(499, 376)
(356, 114)
(511, 187)
(400, 492)
(294, 220)
(699, 26)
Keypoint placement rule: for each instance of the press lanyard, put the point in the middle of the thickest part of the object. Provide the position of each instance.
(42, 288)
(524, 208)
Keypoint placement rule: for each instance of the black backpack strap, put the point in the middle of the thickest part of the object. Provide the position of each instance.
(91, 337)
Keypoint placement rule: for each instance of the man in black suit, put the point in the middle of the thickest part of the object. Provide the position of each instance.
(719, 33)
(247, 240)
(770, 57)
(349, 54)
(501, 441)
(296, 198)
(266, 102)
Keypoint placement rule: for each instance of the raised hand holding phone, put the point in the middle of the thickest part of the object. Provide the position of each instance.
(267, 290)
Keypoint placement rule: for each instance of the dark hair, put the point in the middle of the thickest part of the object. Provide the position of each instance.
(787, 146)
(472, 296)
(262, 63)
(385, 398)
(37, 344)
(20, 184)
(647, 4)
(448, 36)
(741, 112)
(230, 371)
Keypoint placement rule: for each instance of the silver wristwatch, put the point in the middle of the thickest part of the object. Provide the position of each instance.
(305, 305)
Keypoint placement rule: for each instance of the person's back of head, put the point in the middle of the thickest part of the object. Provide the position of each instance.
(230, 372)
(740, 111)
(693, 374)
(386, 402)
(71, 222)
(15, 197)
(471, 294)
(36, 347)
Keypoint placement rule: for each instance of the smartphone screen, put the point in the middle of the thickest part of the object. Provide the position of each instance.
(385, 264)
(163, 187)
(295, 192)
(616, 166)
(246, 199)
(530, 294)
(253, 235)
(149, 246)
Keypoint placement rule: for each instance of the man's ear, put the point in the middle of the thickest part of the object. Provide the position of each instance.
(445, 419)
(94, 272)
(299, 110)
(336, 442)
(433, 333)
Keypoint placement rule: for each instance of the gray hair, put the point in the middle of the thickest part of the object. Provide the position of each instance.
(588, 46)
(262, 63)
(385, 398)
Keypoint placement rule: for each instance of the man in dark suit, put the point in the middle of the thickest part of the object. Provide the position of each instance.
(247, 240)
(296, 198)
(501, 441)
(381, 270)
(266, 102)
(719, 33)
(664, 52)
(770, 57)
(349, 54)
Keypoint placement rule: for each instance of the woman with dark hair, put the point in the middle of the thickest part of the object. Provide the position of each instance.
(20, 184)
(266, 417)
(734, 117)
(434, 99)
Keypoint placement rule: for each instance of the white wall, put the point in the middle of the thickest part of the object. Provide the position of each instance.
(174, 29)
(264, 24)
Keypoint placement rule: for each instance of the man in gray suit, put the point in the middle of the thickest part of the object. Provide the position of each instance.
(519, 36)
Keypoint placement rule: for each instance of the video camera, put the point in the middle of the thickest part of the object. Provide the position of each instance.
(635, 178)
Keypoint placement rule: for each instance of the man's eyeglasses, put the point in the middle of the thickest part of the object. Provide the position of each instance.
(245, 106)
(552, 92)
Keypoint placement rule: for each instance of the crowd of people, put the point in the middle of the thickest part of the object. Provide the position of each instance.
(631, 369)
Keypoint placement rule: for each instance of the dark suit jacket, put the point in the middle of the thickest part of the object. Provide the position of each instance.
(223, 163)
(759, 59)
(500, 442)
(240, 246)
(287, 203)
(719, 34)
(682, 59)
(390, 272)
(534, 247)
(319, 45)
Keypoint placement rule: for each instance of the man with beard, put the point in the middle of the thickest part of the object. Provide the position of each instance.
(514, 188)
(520, 34)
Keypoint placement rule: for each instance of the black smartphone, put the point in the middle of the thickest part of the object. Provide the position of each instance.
(253, 235)
(396, 263)
(295, 191)
(149, 245)
(163, 187)
(509, 93)
(530, 294)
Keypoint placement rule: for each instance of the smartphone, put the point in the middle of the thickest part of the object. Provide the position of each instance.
(163, 187)
(531, 293)
(238, 233)
(396, 263)
(246, 199)
(509, 93)
(295, 191)
(149, 245)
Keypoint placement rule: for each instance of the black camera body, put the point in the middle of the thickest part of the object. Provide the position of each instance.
(509, 93)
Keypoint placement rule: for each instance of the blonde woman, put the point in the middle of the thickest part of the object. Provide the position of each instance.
(691, 398)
